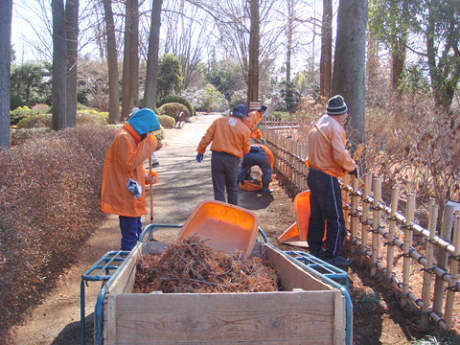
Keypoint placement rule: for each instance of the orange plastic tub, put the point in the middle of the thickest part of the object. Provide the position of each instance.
(248, 186)
(226, 227)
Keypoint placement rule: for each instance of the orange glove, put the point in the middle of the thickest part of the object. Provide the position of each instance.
(151, 179)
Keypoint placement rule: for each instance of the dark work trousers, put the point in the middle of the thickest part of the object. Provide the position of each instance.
(131, 229)
(326, 206)
(224, 169)
(255, 158)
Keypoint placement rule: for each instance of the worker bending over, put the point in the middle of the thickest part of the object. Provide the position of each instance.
(253, 119)
(230, 139)
(328, 161)
(124, 176)
(257, 156)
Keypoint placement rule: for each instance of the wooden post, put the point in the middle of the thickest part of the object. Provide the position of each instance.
(376, 214)
(354, 208)
(365, 218)
(446, 233)
(453, 273)
(429, 263)
(391, 232)
(410, 210)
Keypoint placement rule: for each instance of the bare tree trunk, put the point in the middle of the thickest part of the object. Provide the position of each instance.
(349, 63)
(112, 57)
(134, 58)
(372, 67)
(326, 51)
(130, 84)
(5, 63)
(289, 43)
(59, 65)
(152, 59)
(253, 72)
(71, 18)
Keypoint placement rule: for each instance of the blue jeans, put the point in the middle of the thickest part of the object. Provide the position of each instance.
(326, 207)
(131, 229)
(255, 158)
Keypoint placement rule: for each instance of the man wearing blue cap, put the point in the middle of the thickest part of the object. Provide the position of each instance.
(124, 176)
(230, 139)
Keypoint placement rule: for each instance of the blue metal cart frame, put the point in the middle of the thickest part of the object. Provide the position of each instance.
(107, 271)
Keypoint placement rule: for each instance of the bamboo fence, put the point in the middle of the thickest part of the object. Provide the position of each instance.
(372, 222)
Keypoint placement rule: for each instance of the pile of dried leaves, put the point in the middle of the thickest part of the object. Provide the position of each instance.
(192, 266)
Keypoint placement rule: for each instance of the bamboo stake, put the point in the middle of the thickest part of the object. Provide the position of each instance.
(365, 218)
(453, 272)
(391, 232)
(429, 263)
(430, 204)
(410, 210)
(441, 262)
(346, 181)
(354, 208)
(376, 224)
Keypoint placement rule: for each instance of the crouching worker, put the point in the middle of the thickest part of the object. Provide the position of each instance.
(257, 156)
(230, 139)
(124, 177)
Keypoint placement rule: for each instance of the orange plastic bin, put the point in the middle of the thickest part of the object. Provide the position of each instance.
(226, 227)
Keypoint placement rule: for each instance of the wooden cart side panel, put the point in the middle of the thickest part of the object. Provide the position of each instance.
(340, 318)
(283, 317)
(109, 331)
(291, 275)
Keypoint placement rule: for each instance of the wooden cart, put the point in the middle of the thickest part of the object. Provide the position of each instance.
(308, 310)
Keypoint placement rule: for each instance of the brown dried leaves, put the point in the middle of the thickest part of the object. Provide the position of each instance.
(192, 266)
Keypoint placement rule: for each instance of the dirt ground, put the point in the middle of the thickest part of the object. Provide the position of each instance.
(183, 183)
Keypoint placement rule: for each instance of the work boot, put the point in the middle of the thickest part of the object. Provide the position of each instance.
(339, 261)
(320, 254)
(265, 189)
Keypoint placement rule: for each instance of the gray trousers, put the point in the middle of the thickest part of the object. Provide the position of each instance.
(224, 169)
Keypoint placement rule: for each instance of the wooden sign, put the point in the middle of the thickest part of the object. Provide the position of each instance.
(254, 105)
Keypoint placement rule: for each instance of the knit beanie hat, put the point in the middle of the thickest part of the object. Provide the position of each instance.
(336, 106)
(144, 120)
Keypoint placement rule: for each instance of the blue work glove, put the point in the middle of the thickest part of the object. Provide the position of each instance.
(199, 157)
(263, 141)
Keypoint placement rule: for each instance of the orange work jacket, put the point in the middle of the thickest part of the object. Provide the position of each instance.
(227, 134)
(124, 161)
(333, 159)
(250, 121)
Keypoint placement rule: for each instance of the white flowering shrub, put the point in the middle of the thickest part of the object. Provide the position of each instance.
(207, 99)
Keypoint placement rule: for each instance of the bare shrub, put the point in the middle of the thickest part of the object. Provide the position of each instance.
(415, 145)
(50, 203)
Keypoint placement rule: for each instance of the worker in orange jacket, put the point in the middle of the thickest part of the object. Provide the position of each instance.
(328, 161)
(230, 139)
(261, 156)
(124, 176)
(252, 119)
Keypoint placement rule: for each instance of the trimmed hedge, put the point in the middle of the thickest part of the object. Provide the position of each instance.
(177, 99)
(167, 121)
